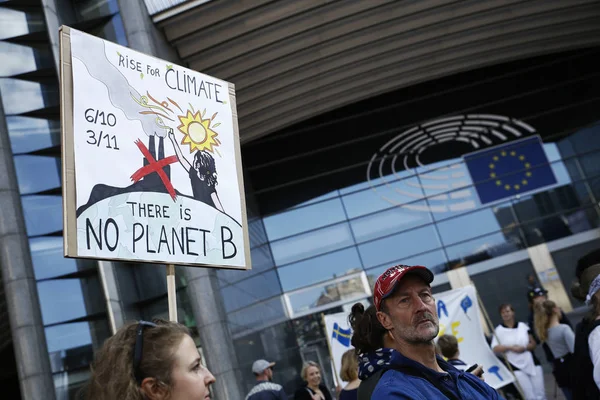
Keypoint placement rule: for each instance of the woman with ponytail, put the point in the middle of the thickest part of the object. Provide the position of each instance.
(561, 341)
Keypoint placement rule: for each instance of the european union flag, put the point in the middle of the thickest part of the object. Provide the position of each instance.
(510, 169)
(342, 335)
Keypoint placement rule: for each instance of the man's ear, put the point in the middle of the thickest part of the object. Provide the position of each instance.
(153, 389)
(384, 320)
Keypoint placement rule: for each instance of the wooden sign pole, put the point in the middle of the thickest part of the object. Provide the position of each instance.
(171, 292)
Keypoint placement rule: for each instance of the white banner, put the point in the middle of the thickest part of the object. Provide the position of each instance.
(339, 334)
(458, 311)
(156, 160)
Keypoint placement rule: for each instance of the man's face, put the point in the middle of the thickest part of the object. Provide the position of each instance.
(411, 314)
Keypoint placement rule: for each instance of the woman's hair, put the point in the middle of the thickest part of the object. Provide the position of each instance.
(112, 370)
(368, 332)
(505, 305)
(542, 314)
(306, 366)
(349, 370)
(205, 164)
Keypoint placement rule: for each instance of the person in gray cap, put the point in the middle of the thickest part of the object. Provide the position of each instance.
(264, 388)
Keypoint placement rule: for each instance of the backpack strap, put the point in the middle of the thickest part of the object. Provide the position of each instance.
(415, 372)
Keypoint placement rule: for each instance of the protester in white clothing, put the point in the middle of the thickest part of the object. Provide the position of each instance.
(516, 342)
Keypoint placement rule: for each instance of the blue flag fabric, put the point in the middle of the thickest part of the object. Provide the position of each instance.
(342, 335)
(510, 169)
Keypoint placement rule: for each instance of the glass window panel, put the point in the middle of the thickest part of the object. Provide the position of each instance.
(391, 221)
(318, 199)
(112, 31)
(18, 59)
(398, 246)
(37, 173)
(19, 96)
(317, 269)
(590, 163)
(474, 224)
(558, 226)
(482, 248)
(261, 261)
(586, 139)
(434, 260)
(552, 201)
(49, 261)
(251, 290)
(43, 214)
(256, 316)
(18, 23)
(311, 244)
(91, 9)
(29, 134)
(303, 219)
(397, 192)
(329, 292)
(438, 182)
(74, 340)
(64, 299)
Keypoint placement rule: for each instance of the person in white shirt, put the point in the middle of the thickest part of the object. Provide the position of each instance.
(517, 343)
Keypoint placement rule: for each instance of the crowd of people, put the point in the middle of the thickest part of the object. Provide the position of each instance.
(395, 353)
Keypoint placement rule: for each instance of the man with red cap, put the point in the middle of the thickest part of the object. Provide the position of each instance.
(406, 309)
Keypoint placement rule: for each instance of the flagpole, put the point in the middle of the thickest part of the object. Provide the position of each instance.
(335, 374)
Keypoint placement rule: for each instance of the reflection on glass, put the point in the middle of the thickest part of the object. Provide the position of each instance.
(311, 244)
(317, 269)
(43, 214)
(61, 300)
(343, 290)
(257, 316)
(18, 59)
(37, 173)
(251, 290)
(261, 261)
(48, 258)
(434, 260)
(391, 221)
(112, 31)
(68, 337)
(17, 23)
(482, 248)
(29, 134)
(399, 246)
(551, 201)
(397, 191)
(87, 10)
(470, 225)
(559, 225)
(302, 219)
(19, 96)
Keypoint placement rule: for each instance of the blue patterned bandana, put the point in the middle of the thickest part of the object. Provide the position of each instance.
(370, 363)
(594, 287)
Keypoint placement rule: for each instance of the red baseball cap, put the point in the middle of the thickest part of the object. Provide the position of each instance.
(386, 283)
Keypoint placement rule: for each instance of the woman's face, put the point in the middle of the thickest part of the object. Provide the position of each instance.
(313, 376)
(507, 314)
(190, 380)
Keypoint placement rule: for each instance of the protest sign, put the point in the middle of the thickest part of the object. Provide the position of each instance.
(151, 159)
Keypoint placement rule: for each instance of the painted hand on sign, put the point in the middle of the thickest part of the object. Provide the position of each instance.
(342, 335)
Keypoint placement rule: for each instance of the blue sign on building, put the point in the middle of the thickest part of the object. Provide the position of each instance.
(509, 169)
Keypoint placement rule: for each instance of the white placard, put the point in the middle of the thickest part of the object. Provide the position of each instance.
(458, 312)
(157, 171)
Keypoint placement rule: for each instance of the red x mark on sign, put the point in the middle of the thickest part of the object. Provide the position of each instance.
(155, 166)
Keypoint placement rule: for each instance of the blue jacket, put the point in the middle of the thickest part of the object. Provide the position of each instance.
(412, 384)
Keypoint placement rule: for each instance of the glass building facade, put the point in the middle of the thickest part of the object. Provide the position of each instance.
(324, 219)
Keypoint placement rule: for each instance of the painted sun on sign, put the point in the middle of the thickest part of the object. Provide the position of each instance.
(198, 131)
